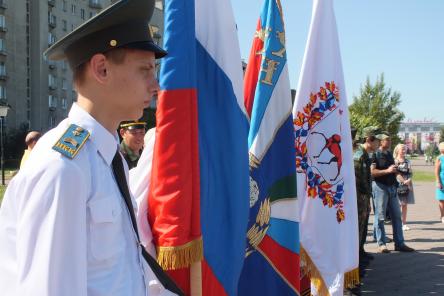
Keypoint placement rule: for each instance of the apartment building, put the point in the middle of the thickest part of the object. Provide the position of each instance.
(40, 92)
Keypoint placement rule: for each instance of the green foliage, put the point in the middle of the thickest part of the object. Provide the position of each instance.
(441, 137)
(2, 192)
(14, 143)
(377, 105)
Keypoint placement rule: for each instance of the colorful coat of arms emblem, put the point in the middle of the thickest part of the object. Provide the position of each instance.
(322, 164)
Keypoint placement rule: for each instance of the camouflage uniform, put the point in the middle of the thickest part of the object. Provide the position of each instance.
(363, 190)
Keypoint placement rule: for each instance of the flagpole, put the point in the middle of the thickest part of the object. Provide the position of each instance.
(196, 278)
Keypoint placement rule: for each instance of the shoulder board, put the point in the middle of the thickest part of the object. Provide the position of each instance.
(358, 154)
(71, 141)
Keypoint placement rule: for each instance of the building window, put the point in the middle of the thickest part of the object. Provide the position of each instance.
(65, 25)
(52, 81)
(52, 121)
(64, 66)
(73, 9)
(2, 92)
(82, 13)
(52, 19)
(52, 101)
(2, 44)
(64, 5)
(2, 22)
(51, 39)
(2, 69)
(64, 84)
(91, 14)
(64, 106)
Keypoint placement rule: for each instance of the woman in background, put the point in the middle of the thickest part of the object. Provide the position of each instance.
(439, 175)
(404, 178)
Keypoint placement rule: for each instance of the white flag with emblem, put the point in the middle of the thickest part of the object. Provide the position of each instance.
(324, 159)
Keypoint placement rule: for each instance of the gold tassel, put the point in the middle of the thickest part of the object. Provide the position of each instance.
(171, 258)
(351, 278)
(308, 267)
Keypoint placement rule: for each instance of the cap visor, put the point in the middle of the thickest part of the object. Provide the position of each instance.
(159, 52)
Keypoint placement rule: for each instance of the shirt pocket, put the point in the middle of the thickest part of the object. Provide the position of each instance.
(106, 228)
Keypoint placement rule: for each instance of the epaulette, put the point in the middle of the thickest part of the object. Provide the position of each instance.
(358, 154)
(71, 141)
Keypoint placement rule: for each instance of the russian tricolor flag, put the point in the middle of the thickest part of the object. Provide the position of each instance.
(198, 198)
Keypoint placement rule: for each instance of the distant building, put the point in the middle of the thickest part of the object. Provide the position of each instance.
(418, 134)
(40, 92)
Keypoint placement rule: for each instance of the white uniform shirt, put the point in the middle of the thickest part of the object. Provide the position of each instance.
(64, 227)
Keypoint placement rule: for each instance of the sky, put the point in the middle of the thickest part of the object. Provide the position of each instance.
(404, 39)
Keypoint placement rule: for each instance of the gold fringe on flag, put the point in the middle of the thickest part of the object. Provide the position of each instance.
(308, 267)
(171, 258)
(351, 278)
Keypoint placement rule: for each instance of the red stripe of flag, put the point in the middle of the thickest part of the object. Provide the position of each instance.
(284, 261)
(174, 198)
(252, 72)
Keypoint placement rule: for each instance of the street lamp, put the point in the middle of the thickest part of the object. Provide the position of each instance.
(3, 112)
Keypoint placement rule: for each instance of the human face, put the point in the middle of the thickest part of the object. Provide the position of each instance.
(402, 151)
(375, 144)
(132, 84)
(133, 139)
(385, 144)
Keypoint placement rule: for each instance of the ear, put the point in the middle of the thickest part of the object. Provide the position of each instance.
(98, 65)
(122, 132)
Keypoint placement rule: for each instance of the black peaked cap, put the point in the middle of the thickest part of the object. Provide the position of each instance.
(121, 25)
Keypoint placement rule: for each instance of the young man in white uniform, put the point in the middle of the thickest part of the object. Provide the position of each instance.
(66, 222)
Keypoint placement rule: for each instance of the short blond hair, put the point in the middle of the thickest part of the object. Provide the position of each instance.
(441, 147)
(397, 149)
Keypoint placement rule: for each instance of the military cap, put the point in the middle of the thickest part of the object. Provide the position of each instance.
(122, 25)
(382, 135)
(131, 125)
(370, 131)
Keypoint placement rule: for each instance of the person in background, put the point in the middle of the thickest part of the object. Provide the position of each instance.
(31, 139)
(364, 184)
(132, 133)
(439, 175)
(384, 172)
(405, 181)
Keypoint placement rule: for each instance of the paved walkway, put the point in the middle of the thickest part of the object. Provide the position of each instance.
(418, 273)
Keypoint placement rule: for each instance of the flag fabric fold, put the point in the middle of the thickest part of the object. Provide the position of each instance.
(272, 254)
(326, 181)
(197, 207)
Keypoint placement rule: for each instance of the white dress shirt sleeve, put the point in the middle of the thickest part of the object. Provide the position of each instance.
(52, 231)
(139, 183)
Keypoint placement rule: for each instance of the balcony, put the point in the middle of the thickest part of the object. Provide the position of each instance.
(51, 3)
(95, 4)
(3, 4)
(3, 76)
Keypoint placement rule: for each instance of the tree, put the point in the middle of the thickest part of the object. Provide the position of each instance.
(377, 105)
(441, 135)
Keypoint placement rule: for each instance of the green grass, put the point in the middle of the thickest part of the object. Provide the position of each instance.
(423, 176)
(2, 192)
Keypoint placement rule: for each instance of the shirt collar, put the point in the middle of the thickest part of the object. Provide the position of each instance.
(105, 142)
